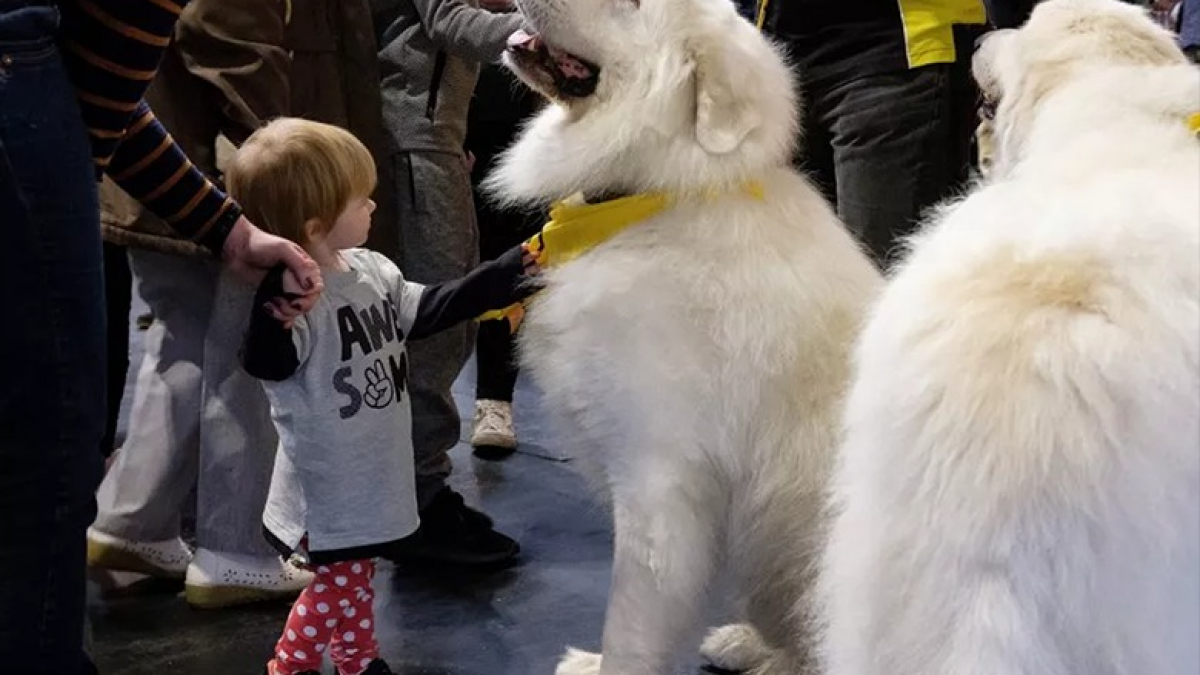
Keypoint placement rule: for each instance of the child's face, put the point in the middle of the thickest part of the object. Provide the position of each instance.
(352, 226)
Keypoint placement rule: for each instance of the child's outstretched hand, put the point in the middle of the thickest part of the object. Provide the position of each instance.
(532, 261)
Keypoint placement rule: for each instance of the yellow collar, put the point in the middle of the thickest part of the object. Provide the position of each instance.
(1193, 122)
(577, 227)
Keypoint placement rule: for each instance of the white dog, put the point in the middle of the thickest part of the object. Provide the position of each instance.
(1019, 492)
(702, 354)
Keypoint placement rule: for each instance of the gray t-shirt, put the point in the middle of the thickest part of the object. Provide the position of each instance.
(344, 471)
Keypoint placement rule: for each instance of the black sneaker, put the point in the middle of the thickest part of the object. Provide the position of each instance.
(453, 533)
(378, 667)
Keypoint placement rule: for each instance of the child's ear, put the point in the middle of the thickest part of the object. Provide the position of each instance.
(314, 229)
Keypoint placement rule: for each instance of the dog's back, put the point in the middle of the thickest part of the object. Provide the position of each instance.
(1019, 492)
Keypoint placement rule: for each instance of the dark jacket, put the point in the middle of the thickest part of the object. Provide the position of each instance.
(234, 65)
(430, 53)
(834, 39)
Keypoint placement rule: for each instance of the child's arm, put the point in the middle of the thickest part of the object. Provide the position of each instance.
(269, 351)
(494, 284)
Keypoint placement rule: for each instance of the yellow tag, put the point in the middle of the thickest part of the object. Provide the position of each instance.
(1193, 123)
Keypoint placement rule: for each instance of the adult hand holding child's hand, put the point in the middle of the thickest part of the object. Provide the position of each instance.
(251, 252)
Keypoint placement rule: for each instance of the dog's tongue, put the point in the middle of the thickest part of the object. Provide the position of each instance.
(570, 65)
(523, 40)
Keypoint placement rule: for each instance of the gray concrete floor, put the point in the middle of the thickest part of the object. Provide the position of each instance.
(512, 622)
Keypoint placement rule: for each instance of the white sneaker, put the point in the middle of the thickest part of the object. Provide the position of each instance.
(164, 559)
(493, 426)
(216, 580)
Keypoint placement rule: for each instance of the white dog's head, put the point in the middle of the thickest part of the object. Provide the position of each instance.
(1063, 41)
(672, 95)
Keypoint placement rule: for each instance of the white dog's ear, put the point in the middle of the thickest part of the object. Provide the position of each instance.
(1016, 112)
(725, 114)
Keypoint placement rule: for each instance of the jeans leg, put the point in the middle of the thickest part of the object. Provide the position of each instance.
(899, 148)
(52, 351)
(118, 284)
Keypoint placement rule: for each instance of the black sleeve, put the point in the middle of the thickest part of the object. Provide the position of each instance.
(495, 284)
(268, 352)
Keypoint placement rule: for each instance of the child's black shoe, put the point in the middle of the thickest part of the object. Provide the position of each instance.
(378, 667)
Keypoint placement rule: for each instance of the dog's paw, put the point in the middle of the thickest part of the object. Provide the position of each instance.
(576, 662)
(736, 647)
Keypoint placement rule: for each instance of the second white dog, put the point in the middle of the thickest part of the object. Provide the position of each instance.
(1019, 492)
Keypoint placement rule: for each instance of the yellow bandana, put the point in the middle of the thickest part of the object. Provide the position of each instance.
(577, 227)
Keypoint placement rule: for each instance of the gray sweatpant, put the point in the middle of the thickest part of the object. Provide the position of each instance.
(438, 241)
(197, 421)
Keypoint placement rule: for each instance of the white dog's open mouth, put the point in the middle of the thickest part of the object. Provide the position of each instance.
(570, 75)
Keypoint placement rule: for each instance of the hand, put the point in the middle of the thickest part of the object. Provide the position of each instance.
(470, 159)
(514, 317)
(496, 5)
(532, 261)
(250, 252)
(294, 301)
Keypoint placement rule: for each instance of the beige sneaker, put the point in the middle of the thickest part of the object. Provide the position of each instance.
(216, 580)
(492, 434)
(163, 559)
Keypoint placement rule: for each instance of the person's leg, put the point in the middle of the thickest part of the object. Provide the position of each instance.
(237, 439)
(492, 432)
(234, 565)
(499, 230)
(52, 352)
(144, 493)
(814, 150)
(1189, 29)
(493, 435)
(439, 243)
(335, 612)
(901, 144)
(354, 647)
(496, 362)
(118, 284)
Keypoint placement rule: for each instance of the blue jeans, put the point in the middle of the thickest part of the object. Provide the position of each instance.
(52, 356)
(1189, 26)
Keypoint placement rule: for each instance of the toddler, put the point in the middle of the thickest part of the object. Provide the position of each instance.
(343, 489)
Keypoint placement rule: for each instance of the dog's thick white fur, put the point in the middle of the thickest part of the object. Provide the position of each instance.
(702, 356)
(1019, 491)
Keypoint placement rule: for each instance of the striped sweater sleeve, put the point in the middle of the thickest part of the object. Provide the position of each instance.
(112, 49)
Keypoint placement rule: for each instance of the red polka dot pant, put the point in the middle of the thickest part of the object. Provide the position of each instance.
(335, 612)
